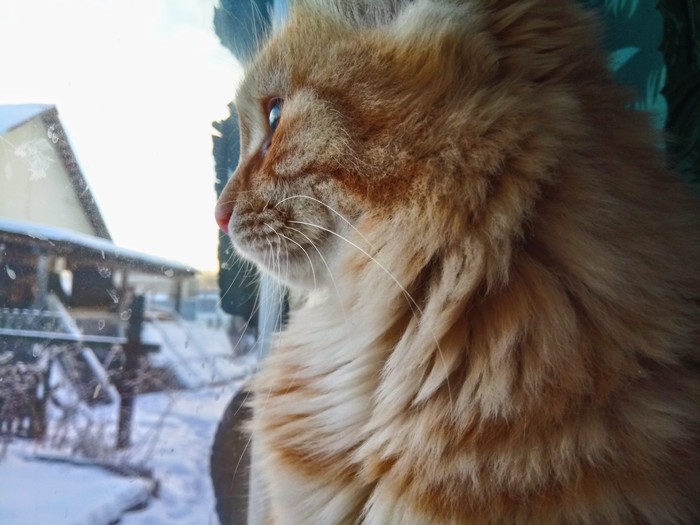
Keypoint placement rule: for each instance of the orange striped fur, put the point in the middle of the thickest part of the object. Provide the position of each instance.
(502, 321)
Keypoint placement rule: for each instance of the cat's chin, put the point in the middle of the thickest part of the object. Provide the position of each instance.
(297, 275)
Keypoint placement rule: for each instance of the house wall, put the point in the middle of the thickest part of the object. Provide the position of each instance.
(34, 184)
(143, 283)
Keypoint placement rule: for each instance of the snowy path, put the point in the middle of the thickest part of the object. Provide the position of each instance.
(181, 454)
(35, 492)
(174, 431)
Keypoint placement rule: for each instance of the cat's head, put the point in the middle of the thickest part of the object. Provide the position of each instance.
(402, 116)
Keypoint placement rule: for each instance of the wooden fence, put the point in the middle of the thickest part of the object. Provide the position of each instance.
(24, 390)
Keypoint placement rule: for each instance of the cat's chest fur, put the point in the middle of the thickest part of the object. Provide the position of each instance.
(314, 401)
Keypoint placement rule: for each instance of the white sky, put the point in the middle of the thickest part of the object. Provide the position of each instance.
(137, 84)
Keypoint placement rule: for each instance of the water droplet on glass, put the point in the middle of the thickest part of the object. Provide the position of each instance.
(169, 272)
(101, 324)
(113, 295)
(104, 272)
(125, 315)
(10, 272)
(52, 134)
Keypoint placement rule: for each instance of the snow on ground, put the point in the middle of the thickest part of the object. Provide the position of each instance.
(172, 432)
(35, 492)
(181, 454)
(198, 355)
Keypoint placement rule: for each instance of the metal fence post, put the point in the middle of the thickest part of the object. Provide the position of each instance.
(127, 382)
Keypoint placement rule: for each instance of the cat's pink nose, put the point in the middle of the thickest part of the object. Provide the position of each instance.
(223, 217)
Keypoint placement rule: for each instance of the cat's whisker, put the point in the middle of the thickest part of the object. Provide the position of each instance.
(275, 254)
(412, 302)
(272, 253)
(278, 254)
(268, 255)
(231, 257)
(340, 215)
(287, 270)
(240, 267)
(330, 273)
(252, 274)
(285, 275)
(245, 447)
(221, 296)
(373, 259)
(248, 321)
(311, 264)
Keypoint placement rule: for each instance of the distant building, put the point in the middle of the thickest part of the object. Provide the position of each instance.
(52, 234)
(65, 287)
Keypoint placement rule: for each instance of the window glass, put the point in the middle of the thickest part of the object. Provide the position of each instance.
(117, 359)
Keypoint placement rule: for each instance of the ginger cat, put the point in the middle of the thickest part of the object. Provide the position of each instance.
(503, 321)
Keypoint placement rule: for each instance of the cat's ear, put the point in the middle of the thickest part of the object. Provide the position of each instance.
(406, 19)
(358, 14)
(544, 40)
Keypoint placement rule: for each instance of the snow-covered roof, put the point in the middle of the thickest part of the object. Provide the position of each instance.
(15, 115)
(61, 241)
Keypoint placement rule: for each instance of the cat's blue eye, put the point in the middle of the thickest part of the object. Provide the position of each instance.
(274, 113)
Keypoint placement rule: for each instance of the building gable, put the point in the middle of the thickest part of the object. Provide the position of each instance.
(40, 180)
